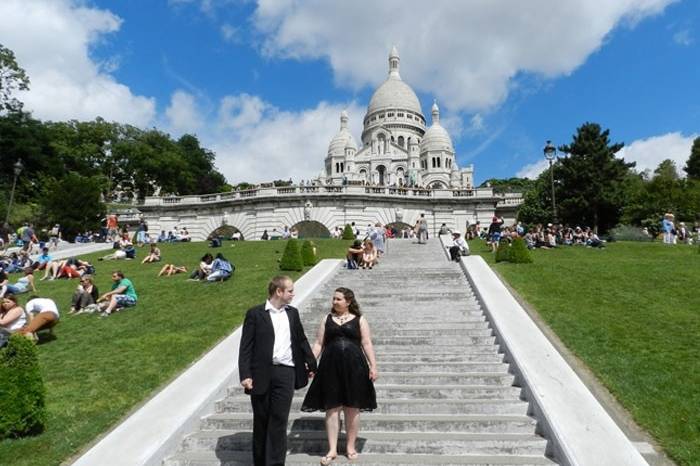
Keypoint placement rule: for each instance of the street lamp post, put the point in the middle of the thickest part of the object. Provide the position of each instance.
(18, 169)
(550, 153)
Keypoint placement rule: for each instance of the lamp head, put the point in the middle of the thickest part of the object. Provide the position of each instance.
(549, 151)
(18, 167)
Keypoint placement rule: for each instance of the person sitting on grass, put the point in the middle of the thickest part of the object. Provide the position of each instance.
(354, 255)
(22, 286)
(12, 316)
(116, 255)
(122, 295)
(43, 313)
(221, 269)
(593, 241)
(43, 260)
(369, 255)
(171, 269)
(204, 268)
(153, 254)
(84, 295)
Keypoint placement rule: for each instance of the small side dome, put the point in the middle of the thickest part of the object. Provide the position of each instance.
(343, 139)
(436, 138)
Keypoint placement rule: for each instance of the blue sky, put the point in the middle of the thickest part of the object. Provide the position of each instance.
(263, 83)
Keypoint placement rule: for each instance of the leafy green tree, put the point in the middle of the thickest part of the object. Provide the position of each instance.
(200, 161)
(692, 166)
(590, 188)
(12, 78)
(537, 201)
(509, 185)
(74, 202)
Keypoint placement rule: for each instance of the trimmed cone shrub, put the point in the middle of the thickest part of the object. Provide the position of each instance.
(519, 254)
(503, 251)
(348, 233)
(308, 253)
(291, 258)
(22, 408)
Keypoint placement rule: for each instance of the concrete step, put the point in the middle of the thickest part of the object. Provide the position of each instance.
(447, 333)
(451, 367)
(447, 392)
(455, 342)
(440, 378)
(241, 404)
(457, 325)
(235, 458)
(425, 349)
(443, 443)
(440, 357)
(474, 423)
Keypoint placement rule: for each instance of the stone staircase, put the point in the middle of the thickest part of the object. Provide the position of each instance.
(444, 394)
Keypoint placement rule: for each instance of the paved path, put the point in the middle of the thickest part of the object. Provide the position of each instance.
(445, 396)
(66, 249)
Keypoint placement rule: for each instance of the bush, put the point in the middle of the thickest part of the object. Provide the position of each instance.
(291, 258)
(22, 408)
(503, 251)
(519, 254)
(348, 233)
(308, 253)
(628, 233)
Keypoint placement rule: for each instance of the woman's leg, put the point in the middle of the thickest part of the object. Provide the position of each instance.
(41, 320)
(352, 428)
(163, 269)
(332, 429)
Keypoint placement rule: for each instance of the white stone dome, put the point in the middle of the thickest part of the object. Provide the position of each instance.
(343, 139)
(436, 138)
(394, 93)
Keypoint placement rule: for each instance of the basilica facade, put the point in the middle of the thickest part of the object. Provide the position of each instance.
(398, 148)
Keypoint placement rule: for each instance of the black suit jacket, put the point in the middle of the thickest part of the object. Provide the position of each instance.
(257, 342)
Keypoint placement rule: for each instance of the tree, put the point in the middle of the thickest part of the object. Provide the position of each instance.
(12, 78)
(537, 201)
(692, 166)
(509, 185)
(590, 188)
(74, 202)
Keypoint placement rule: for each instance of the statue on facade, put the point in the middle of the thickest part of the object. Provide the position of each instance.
(307, 210)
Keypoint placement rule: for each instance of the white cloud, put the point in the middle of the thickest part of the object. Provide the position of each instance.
(51, 40)
(683, 37)
(467, 54)
(182, 114)
(647, 153)
(265, 143)
(533, 170)
(650, 152)
(230, 33)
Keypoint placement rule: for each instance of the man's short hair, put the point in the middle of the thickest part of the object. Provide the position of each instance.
(276, 283)
(119, 273)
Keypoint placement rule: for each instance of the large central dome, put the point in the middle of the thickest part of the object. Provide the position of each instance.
(394, 93)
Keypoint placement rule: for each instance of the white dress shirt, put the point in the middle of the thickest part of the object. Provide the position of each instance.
(282, 350)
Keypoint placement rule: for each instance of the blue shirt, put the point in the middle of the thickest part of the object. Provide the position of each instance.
(43, 258)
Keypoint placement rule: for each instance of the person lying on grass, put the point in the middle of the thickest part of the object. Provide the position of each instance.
(23, 285)
(122, 295)
(171, 269)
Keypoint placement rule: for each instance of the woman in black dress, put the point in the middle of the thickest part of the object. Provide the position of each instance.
(344, 379)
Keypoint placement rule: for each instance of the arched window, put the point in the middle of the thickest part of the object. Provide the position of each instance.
(438, 162)
(433, 159)
(401, 141)
(363, 174)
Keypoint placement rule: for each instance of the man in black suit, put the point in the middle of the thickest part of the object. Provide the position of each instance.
(274, 359)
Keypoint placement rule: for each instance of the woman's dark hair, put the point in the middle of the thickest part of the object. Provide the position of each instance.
(349, 296)
(207, 257)
(10, 297)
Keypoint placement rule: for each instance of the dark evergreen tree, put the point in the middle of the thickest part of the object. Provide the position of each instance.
(590, 179)
(291, 258)
(692, 166)
(348, 233)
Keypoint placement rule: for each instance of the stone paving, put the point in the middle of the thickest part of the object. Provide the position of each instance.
(445, 396)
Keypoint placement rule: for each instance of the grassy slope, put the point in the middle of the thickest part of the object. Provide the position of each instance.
(631, 312)
(97, 370)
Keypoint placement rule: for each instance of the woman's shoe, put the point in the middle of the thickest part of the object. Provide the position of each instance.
(328, 459)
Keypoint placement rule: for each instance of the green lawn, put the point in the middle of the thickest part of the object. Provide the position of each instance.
(631, 312)
(99, 369)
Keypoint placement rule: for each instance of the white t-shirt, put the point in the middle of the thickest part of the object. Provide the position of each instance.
(17, 324)
(38, 305)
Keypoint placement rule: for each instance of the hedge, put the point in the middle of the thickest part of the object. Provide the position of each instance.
(503, 251)
(348, 233)
(308, 253)
(22, 406)
(519, 253)
(291, 258)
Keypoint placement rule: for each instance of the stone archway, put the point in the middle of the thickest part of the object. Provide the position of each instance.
(399, 227)
(225, 232)
(311, 229)
(438, 185)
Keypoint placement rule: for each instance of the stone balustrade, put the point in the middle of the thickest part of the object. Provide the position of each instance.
(509, 199)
